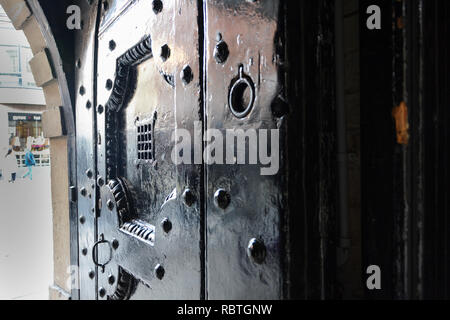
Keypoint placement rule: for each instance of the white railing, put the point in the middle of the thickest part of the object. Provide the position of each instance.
(42, 159)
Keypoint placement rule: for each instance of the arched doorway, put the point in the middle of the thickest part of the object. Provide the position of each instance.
(51, 75)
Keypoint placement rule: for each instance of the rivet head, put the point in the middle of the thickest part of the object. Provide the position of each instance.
(110, 205)
(166, 225)
(221, 52)
(157, 6)
(84, 252)
(279, 107)
(188, 198)
(105, 6)
(165, 52)
(91, 274)
(83, 192)
(111, 279)
(82, 220)
(187, 75)
(256, 251)
(159, 272)
(102, 292)
(112, 45)
(89, 173)
(109, 84)
(100, 182)
(115, 244)
(222, 199)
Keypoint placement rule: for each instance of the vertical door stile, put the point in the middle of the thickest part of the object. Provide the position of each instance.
(86, 168)
(188, 117)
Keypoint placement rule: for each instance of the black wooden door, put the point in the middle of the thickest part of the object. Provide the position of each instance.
(151, 227)
(252, 218)
(140, 214)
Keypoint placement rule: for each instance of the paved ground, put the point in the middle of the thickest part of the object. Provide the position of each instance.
(26, 258)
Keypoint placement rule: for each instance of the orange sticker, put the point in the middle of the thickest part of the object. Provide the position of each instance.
(400, 114)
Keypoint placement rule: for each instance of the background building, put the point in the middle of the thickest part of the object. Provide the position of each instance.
(21, 101)
(17, 84)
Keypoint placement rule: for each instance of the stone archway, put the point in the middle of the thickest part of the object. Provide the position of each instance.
(58, 124)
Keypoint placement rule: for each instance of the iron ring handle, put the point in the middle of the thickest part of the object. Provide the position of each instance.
(236, 90)
(94, 258)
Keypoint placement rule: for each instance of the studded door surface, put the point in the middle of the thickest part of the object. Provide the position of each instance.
(150, 228)
(243, 199)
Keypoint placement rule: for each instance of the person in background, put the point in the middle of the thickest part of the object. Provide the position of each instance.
(17, 145)
(30, 143)
(11, 165)
(29, 162)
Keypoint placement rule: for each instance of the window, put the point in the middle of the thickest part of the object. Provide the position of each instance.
(15, 71)
(145, 142)
(9, 60)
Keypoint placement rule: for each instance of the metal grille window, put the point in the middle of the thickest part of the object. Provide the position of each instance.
(145, 141)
